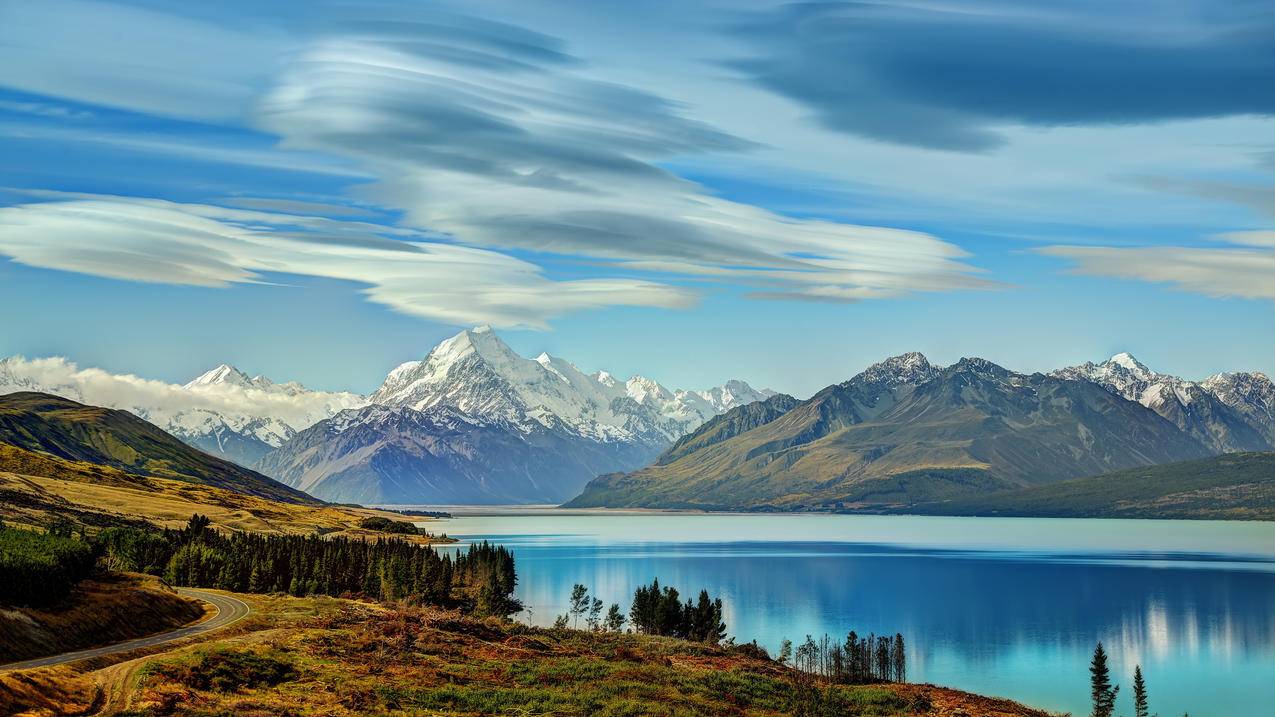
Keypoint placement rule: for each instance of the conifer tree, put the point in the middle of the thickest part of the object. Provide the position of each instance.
(1140, 708)
(615, 618)
(1102, 691)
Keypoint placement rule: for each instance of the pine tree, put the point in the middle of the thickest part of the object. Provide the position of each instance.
(1102, 691)
(1140, 708)
(615, 618)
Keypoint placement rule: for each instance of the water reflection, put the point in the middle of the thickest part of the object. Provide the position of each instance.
(1009, 621)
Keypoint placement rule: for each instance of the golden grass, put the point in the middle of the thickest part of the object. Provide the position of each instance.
(35, 488)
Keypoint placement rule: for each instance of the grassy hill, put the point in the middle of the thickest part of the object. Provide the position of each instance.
(1234, 486)
(37, 489)
(118, 439)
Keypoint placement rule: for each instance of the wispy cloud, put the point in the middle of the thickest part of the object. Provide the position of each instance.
(156, 241)
(523, 149)
(1245, 270)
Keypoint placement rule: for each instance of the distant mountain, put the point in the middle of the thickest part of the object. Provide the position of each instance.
(118, 439)
(474, 422)
(904, 431)
(381, 455)
(1242, 421)
(1233, 486)
(223, 412)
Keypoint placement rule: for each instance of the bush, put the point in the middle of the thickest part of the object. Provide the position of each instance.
(230, 671)
(385, 525)
(38, 569)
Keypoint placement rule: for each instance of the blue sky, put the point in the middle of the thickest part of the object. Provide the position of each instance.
(694, 191)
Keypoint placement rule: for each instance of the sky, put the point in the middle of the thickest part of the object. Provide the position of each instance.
(693, 191)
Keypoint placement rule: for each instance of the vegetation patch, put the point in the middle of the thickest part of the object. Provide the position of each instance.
(230, 670)
(38, 569)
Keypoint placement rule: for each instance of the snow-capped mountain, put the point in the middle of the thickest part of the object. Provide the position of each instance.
(474, 422)
(478, 374)
(1250, 394)
(224, 411)
(1226, 424)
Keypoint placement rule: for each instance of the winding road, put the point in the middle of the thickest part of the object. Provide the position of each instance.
(229, 611)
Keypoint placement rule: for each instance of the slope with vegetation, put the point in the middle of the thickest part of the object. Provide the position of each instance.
(1235, 486)
(117, 439)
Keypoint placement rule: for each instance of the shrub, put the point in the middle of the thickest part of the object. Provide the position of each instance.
(230, 671)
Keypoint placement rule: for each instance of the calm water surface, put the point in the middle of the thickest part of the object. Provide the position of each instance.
(1008, 607)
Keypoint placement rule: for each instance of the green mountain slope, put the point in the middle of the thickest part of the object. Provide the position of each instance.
(118, 439)
(905, 432)
(1234, 486)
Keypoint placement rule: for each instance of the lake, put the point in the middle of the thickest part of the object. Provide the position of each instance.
(1001, 606)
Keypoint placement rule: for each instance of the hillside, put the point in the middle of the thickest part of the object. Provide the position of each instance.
(1235, 486)
(37, 489)
(905, 431)
(118, 439)
(310, 656)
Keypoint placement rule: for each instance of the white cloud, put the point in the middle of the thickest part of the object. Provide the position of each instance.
(156, 241)
(172, 407)
(1245, 271)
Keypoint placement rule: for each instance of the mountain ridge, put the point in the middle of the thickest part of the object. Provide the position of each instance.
(910, 430)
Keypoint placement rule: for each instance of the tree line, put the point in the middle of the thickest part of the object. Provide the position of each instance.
(655, 610)
(482, 578)
(858, 660)
(40, 568)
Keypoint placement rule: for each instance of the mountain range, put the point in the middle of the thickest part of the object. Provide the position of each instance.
(471, 422)
(906, 432)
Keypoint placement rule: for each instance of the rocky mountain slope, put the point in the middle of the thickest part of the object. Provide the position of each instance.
(1227, 412)
(117, 439)
(905, 431)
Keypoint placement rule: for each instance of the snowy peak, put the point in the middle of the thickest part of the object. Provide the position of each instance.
(1127, 362)
(478, 373)
(1226, 411)
(225, 374)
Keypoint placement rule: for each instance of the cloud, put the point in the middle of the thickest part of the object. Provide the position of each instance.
(538, 155)
(1246, 270)
(171, 405)
(157, 241)
(947, 76)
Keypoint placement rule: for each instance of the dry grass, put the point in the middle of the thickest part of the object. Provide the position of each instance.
(97, 496)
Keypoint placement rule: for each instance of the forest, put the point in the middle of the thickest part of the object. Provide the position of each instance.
(40, 568)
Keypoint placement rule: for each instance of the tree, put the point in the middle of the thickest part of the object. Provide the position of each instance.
(785, 651)
(615, 619)
(560, 622)
(579, 603)
(595, 615)
(900, 659)
(1102, 691)
(1140, 708)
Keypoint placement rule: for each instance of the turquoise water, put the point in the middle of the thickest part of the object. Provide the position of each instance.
(1008, 607)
